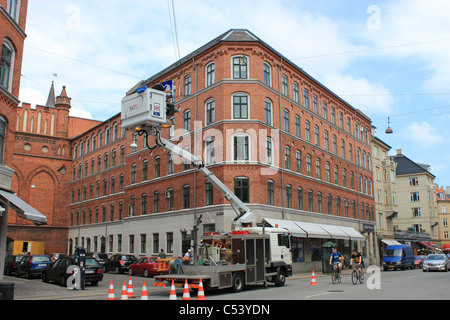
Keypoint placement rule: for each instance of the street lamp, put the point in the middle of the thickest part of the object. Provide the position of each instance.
(389, 130)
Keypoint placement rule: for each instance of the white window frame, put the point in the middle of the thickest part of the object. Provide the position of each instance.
(247, 61)
(248, 105)
(213, 80)
(239, 135)
(7, 43)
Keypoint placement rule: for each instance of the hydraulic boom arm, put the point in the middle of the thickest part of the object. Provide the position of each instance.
(243, 212)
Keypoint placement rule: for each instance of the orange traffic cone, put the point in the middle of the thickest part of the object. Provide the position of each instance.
(313, 280)
(173, 292)
(124, 295)
(130, 291)
(111, 295)
(144, 295)
(186, 295)
(201, 293)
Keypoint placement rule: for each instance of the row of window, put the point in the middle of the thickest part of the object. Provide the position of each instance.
(115, 243)
(96, 166)
(240, 70)
(241, 190)
(343, 207)
(241, 110)
(97, 141)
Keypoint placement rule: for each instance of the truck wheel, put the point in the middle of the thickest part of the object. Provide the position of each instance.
(237, 282)
(281, 279)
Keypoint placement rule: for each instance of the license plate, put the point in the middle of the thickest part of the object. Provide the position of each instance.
(90, 271)
(42, 265)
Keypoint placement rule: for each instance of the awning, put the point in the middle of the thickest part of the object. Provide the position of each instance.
(354, 235)
(313, 230)
(23, 209)
(426, 245)
(391, 242)
(316, 230)
(391, 214)
(289, 225)
(335, 232)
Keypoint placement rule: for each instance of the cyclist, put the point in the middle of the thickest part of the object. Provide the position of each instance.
(358, 260)
(336, 259)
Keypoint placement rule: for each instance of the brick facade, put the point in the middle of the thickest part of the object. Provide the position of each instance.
(94, 218)
(42, 162)
(112, 198)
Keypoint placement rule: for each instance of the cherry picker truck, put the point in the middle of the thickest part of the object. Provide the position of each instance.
(246, 255)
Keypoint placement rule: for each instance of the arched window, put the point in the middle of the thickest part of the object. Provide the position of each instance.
(242, 189)
(210, 111)
(7, 65)
(267, 74)
(268, 112)
(241, 147)
(210, 73)
(2, 138)
(241, 106)
(240, 67)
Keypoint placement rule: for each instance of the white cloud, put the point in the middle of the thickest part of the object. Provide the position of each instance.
(371, 98)
(417, 31)
(422, 134)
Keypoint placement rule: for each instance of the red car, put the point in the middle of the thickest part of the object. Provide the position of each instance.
(148, 266)
(418, 260)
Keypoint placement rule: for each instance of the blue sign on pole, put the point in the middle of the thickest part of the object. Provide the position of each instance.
(168, 85)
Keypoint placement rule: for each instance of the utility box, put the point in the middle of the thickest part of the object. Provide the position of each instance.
(144, 109)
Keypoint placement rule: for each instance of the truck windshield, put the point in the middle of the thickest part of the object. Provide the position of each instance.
(393, 253)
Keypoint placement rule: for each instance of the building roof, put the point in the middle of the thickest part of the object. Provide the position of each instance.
(407, 166)
(442, 195)
(51, 101)
(237, 35)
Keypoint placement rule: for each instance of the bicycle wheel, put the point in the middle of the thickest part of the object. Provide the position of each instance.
(361, 277)
(354, 277)
(333, 277)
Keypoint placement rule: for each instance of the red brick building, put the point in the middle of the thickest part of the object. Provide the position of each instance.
(273, 134)
(12, 36)
(42, 162)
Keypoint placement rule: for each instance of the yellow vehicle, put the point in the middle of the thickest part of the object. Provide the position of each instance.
(31, 247)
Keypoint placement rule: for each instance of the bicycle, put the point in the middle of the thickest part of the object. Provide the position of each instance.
(357, 275)
(336, 275)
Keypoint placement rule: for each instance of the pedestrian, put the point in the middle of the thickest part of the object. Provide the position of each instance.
(162, 254)
(188, 255)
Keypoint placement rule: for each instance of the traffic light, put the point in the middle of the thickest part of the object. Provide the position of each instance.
(171, 110)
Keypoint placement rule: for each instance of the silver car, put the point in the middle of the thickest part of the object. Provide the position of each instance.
(438, 262)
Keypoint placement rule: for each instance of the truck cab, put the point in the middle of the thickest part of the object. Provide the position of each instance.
(280, 243)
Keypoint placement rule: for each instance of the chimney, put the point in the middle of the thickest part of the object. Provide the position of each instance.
(399, 152)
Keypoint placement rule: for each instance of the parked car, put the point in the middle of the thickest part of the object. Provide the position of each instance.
(418, 260)
(11, 264)
(439, 262)
(56, 256)
(148, 266)
(57, 271)
(31, 265)
(102, 258)
(120, 263)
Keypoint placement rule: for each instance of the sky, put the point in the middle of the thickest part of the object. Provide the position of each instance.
(390, 59)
